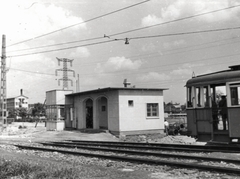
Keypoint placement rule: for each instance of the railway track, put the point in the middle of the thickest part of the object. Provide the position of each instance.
(151, 156)
(156, 146)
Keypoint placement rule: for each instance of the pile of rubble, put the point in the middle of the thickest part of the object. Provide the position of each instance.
(159, 138)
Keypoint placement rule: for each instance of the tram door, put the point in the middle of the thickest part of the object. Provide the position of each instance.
(219, 108)
(219, 112)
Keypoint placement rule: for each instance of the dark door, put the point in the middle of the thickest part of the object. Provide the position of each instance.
(89, 117)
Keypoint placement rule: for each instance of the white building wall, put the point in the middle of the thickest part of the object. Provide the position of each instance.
(134, 118)
(24, 100)
(113, 111)
(56, 97)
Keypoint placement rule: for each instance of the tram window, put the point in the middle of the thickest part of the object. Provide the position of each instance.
(189, 97)
(198, 97)
(234, 95)
(206, 98)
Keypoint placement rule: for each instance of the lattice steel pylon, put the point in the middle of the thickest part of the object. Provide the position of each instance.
(3, 92)
(65, 71)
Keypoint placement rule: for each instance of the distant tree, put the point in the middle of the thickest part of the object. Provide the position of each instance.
(38, 110)
(18, 112)
(22, 112)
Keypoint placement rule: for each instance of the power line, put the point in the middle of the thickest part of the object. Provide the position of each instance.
(176, 20)
(80, 23)
(142, 37)
(95, 38)
(27, 71)
(46, 51)
(52, 45)
(185, 33)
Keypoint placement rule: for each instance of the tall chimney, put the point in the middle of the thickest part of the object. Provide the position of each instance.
(21, 92)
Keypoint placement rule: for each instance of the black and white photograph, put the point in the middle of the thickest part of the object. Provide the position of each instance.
(120, 89)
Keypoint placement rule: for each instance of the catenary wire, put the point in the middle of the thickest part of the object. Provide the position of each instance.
(47, 51)
(80, 23)
(140, 28)
(176, 20)
(154, 36)
(127, 71)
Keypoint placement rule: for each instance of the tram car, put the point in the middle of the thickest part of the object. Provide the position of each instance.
(213, 106)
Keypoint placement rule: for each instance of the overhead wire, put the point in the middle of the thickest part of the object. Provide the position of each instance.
(98, 17)
(66, 48)
(111, 40)
(185, 33)
(196, 15)
(176, 20)
(139, 72)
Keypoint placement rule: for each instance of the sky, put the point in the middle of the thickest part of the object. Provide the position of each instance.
(162, 51)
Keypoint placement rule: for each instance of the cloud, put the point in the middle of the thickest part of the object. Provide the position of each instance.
(153, 76)
(119, 64)
(175, 43)
(82, 52)
(151, 20)
(40, 18)
(185, 69)
(185, 8)
(182, 71)
(149, 47)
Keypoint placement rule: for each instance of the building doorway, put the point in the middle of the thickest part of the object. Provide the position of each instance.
(89, 113)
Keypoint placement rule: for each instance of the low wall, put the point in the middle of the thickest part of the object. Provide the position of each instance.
(55, 125)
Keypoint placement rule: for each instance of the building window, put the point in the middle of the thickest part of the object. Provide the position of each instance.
(152, 110)
(17, 103)
(130, 103)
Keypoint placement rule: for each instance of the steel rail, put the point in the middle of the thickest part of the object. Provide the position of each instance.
(224, 147)
(151, 147)
(146, 153)
(138, 160)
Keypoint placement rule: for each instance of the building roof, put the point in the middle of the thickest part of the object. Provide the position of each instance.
(116, 89)
(17, 97)
(58, 90)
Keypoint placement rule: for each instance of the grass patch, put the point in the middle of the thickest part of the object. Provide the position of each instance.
(39, 170)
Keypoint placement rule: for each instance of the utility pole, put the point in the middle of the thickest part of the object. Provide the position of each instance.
(3, 92)
(65, 71)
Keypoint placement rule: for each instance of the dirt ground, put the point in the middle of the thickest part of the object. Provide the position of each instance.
(31, 134)
(25, 132)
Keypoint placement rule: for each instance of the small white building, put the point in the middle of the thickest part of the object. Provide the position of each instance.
(55, 109)
(122, 111)
(20, 101)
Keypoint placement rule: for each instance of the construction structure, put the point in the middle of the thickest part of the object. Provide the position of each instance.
(3, 92)
(55, 99)
(65, 71)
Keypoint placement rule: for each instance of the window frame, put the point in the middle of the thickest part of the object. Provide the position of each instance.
(151, 110)
(130, 103)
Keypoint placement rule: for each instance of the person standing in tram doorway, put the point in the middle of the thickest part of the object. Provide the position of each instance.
(166, 126)
(223, 111)
(215, 115)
